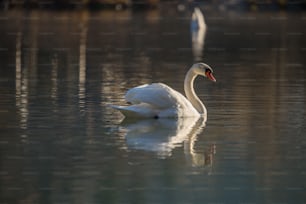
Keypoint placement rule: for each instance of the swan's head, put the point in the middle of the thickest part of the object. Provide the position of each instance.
(204, 70)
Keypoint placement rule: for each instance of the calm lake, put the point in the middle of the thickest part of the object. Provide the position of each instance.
(61, 142)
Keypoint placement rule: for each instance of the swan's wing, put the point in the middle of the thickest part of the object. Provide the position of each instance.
(156, 100)
(157, 95)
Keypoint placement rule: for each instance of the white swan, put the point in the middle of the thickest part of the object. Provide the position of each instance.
(158, 100)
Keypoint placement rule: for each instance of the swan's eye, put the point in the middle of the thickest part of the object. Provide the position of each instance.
(209, 75)
(208, 71)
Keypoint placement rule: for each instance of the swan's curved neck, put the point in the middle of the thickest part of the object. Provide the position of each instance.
(190, 94)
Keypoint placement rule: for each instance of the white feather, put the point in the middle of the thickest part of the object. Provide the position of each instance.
(156, 100)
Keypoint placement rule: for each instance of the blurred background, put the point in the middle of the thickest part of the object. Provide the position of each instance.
(62, 63)
(122, 4)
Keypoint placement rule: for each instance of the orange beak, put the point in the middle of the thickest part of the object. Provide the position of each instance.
(210, 76)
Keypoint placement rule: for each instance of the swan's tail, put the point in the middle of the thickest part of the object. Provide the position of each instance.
(125, 110)
(136, 111)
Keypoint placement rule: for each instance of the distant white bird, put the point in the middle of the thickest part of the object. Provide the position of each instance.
(198, 29)
(197, 20)
(158, 100)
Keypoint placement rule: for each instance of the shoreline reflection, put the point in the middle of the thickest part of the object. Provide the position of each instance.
(21, 86)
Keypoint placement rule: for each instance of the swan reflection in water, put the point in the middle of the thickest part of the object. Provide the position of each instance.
(162, 135)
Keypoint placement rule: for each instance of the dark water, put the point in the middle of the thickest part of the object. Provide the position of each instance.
(61, 143)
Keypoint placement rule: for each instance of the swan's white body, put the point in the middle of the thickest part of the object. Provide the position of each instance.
(158, 100)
